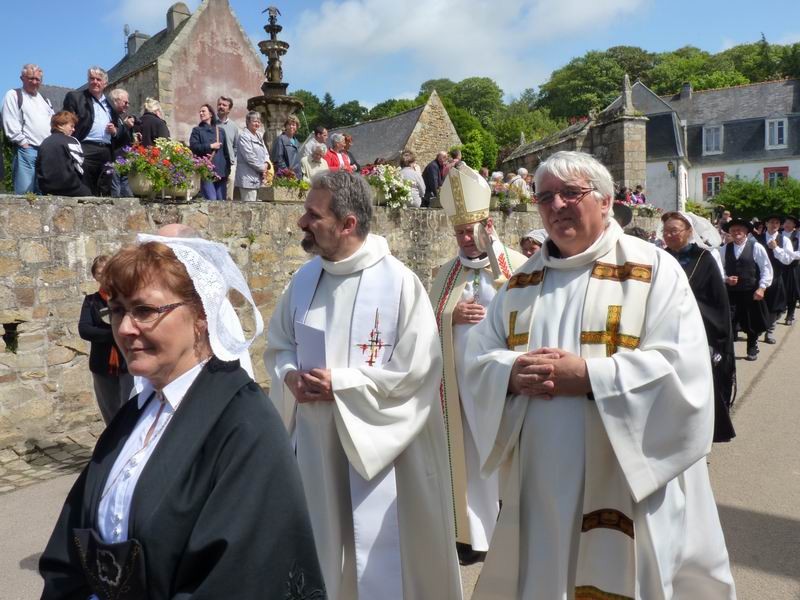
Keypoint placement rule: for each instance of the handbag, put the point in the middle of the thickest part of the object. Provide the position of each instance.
(113, 571)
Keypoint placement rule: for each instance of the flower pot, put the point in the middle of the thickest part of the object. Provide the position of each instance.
(187, 194)
(281, 194)
(140, 185)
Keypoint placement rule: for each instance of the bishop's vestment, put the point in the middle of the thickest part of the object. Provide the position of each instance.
(607, 494)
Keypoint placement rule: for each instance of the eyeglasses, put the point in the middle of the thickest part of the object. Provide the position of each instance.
(569, 195)
(675, 231)
(141, 313)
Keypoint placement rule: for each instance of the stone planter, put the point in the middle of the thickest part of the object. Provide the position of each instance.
(281, 194)
(184, 195)
(140, 185)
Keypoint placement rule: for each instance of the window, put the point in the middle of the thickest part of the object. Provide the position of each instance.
(772, 175)
(712, 139)
(711, 184)
(775, 133)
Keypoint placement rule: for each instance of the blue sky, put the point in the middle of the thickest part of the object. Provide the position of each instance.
(371, 50)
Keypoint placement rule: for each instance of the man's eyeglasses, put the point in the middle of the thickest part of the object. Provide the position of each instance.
(141, 313)
(570, 195)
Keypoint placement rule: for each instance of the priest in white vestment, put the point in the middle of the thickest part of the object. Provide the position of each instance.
(356, 365)
(594, 388)
(461, 291)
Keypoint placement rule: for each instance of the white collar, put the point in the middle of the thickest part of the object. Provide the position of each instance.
(175, 390)
(371, 251)
(473, 263)
(600, 247)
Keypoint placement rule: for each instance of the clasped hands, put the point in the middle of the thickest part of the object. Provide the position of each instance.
(310, 386)
(549, 372)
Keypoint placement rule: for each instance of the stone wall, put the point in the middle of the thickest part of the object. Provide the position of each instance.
(46, 249)
(140, 85)
(433, 132)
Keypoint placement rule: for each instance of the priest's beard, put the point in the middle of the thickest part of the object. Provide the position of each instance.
(326, 245)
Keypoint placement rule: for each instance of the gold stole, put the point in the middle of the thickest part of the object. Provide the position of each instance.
(612, 321)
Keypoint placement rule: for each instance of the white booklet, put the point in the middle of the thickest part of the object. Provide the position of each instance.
(310, 347)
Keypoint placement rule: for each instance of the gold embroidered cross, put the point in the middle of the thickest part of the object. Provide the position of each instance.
(515, 339)
(611, 337)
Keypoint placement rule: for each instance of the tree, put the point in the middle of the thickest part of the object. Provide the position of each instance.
(391, 107)
(310, 115)
(349, 113)
(480, 96)
(327, 111)
(634, 61)
(590, 82)
(698, 67)
(443, 87)
(753, 198)
(464, 124)
(472, 150)
(790, 61)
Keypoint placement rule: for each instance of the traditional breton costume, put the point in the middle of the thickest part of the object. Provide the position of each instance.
(779, 258)
(373, 461)
(476, 499)
(192, 491)
(705, 279)
(750, 263)
(607, 495)
(791, 275)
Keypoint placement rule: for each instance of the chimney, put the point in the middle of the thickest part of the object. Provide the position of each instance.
(176, 15)
(686, 90)
(135, 41)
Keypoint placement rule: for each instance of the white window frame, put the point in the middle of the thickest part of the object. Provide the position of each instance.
(785, 126)
(708, 128)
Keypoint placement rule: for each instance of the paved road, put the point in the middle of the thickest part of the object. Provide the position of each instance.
(756, 481)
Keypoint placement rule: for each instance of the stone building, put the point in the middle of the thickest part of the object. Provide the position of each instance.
(617, 137)
(424, 130)
(195, 59)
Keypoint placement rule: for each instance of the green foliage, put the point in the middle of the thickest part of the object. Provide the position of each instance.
(310, 115)
(349, 113)
(590, 82)
(472, 149)
(479, 96)
(443, 87)
(753, 198)
(790, 61)
(701, 210)
(7, 156)
(391, 107)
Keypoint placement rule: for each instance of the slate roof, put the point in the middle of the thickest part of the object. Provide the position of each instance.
(751, 101)
(556, 138)
(54, 93)
(149, 53)
(644, 99)
(382, 138)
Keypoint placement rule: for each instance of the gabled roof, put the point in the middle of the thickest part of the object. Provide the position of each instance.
(645, 100)
(382, 138)
(565, 134)
(752, 101)
(54, 93)
(149, 53)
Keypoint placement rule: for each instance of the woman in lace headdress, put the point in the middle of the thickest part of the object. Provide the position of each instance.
(192, 490)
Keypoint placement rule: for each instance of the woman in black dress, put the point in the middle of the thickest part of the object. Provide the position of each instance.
(705, 278)
(192, 491)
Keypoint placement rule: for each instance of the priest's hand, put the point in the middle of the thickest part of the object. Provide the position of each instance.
(758, 294)
(468, 313)
(570, 376)
(304, 390)
(318, 385)
(531, 375)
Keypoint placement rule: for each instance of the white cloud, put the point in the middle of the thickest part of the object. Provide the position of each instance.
(342, 42)
(148, 16)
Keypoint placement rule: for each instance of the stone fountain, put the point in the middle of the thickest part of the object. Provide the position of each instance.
(274, 105)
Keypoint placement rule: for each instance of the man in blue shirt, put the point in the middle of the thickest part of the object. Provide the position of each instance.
(96, 125)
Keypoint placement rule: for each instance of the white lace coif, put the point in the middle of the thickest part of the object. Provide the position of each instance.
(214, 274)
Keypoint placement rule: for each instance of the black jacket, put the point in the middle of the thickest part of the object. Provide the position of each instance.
(200, 142)
(56, 172)
(92, 328)
(151, 127)
(82, 104)
(219, 509)
(432, 176)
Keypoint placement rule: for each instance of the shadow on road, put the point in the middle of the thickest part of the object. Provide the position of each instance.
(762, 541)
(30, 563)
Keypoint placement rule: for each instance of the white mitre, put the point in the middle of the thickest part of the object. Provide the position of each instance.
(465, 196)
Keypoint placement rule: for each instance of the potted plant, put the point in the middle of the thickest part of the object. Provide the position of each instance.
(391, 190)
(168, 169)
(286, 187)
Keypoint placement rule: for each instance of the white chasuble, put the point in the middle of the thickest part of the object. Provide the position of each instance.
(373, 461)
(604, 495)
(476, 499)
